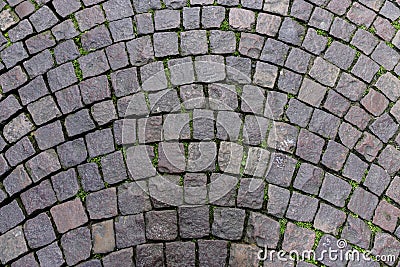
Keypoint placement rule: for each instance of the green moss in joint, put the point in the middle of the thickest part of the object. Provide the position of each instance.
(96, 160)
(243, 163)
(322, 33)
(298, 164)
(37, 6)
(9, 43)
(82, 194)
(74, 21)
(390, 44)
(224, 25)
(78, 71)
(305, 225)
(155, 159)
(396, 24)
(211, 213)
(97, 256)
(381, 71)
(374, 229)
(266, 193)
(318, 236)
(330, 40)
(353, 184)
(282, 223)
(372, 30)
(186, 148)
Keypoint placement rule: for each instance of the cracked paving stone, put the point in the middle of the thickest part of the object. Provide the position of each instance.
(180, 253)
(17, 180)
(309, 146)
(12, 244)
(386, 216)
(297, 238)
(39, 197)
(228, 223)
(369, 146)
(76, 245)
(357, 232)
(302, 208)
(309, 178)
(150, 255)
(329, 219)
(13, 216)
(335, 190)
(161, 225)
(262, 230)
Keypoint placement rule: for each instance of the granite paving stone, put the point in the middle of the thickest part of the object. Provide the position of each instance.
(69, 215)
(335, 190)
(76, 245)
(357, 232)
(212, 16)
(39, 231)
(150, 255)
(13, 244)
(363, 203)
(39, 197)
(13, 214)
(262, 230)
(50, 255)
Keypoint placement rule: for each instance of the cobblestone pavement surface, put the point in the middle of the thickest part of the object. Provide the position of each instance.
(195, 133)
